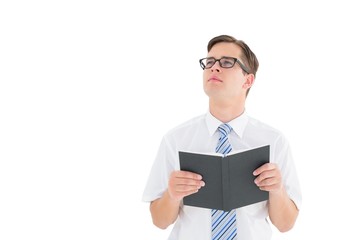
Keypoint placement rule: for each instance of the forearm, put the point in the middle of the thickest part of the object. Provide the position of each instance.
(282, 210)
(164, 211)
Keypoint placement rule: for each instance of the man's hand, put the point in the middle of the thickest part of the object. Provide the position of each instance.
(268, 178)
(183, 183)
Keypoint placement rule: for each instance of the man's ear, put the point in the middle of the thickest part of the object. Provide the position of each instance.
(250, 79)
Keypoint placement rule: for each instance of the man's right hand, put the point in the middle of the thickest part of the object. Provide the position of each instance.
(184, 183)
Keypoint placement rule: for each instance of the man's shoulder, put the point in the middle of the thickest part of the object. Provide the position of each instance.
(263, 127)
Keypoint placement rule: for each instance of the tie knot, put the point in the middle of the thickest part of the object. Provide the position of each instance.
(225, 129)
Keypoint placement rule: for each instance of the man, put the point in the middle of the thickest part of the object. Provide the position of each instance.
(229, 73)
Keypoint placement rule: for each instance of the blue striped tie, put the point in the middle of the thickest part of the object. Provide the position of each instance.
(223, 224)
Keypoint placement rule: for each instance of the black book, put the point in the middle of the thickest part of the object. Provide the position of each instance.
(229, 180)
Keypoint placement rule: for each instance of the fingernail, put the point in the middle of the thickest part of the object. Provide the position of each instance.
(202, 183)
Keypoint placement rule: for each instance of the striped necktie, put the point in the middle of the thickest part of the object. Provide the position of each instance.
(223, 224)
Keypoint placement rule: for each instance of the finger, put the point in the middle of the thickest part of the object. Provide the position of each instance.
(190, 192)
(265, 175)
(188, 178)
(271, 188)
(187, 174)
(264, 167)
(178, 195)
(186, 188)
(190, 182)
(268, 182)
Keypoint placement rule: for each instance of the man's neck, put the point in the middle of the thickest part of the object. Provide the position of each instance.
(226, 111)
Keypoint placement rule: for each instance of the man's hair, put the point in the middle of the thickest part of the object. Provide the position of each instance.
(247, 56)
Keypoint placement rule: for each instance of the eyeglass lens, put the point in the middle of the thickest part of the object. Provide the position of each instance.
(224, 62)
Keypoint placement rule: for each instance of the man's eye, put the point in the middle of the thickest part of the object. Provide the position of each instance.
(226, 63)
(209, 62)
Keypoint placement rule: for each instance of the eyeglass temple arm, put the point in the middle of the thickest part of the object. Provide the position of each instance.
(243, 67)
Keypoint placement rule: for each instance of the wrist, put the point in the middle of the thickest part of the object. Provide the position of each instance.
(171, 199)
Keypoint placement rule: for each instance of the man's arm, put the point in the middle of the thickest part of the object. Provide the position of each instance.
(282, 210)
(165, 210)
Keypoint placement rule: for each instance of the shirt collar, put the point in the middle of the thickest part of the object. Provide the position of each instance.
(238, 124)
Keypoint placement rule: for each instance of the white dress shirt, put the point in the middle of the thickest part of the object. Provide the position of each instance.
(200, 135)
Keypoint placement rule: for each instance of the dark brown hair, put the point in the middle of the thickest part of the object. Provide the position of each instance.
(247, 56)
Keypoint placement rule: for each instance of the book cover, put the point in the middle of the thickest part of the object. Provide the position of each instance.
(229, 180)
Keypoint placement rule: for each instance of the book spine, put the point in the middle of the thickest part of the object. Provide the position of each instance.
(225, 183)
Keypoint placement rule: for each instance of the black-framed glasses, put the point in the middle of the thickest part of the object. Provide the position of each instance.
(224, 62)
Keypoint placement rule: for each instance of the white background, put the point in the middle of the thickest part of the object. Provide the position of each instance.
(88, 88)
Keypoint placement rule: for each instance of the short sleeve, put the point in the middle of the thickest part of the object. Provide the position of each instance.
(159, 174)
(283, 157)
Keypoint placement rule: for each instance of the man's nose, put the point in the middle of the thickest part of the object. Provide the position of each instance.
(216, 67)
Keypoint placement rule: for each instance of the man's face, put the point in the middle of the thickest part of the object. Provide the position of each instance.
(225, 83)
